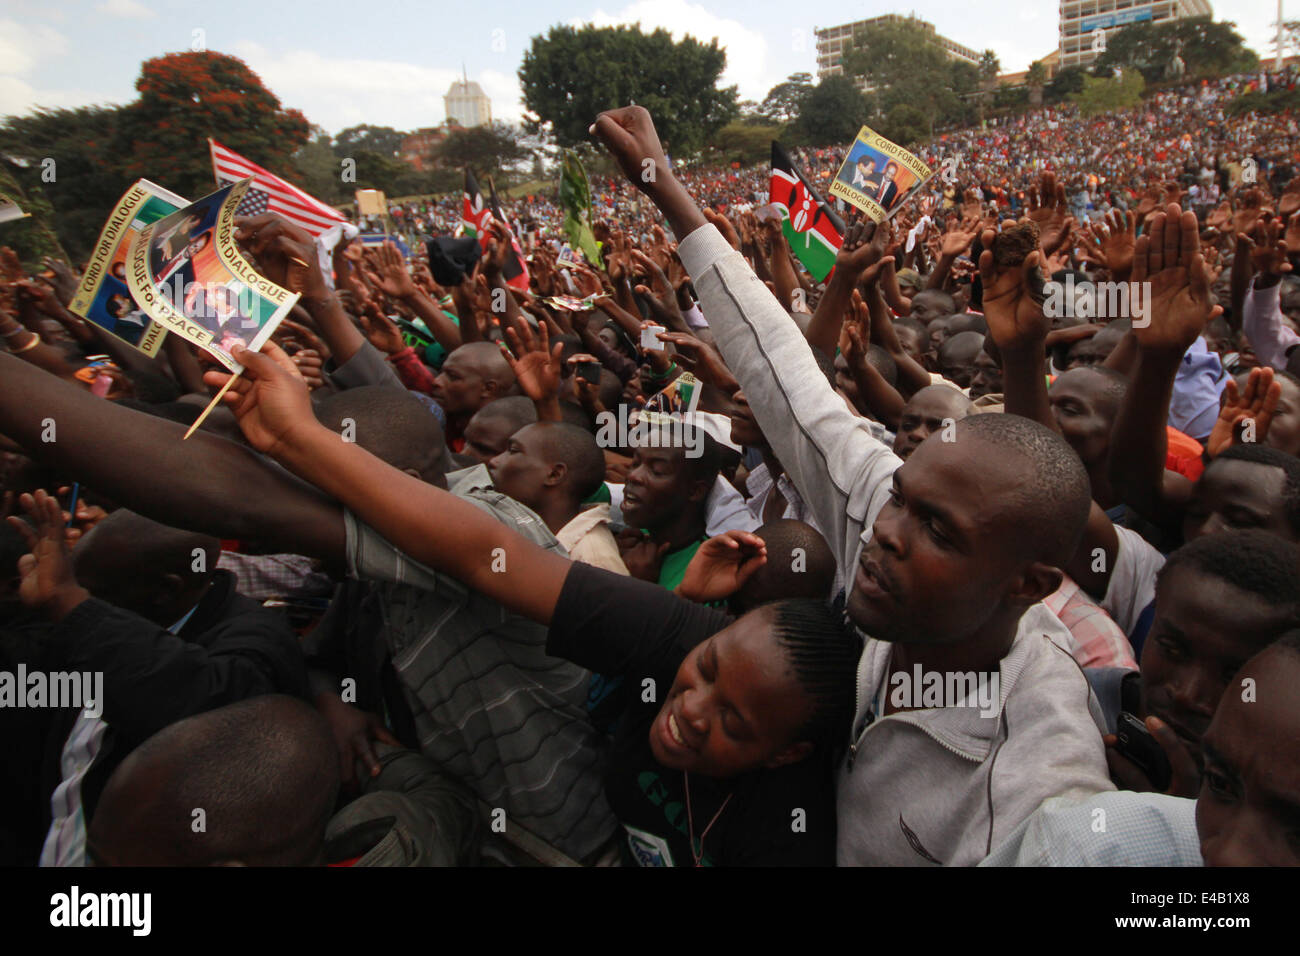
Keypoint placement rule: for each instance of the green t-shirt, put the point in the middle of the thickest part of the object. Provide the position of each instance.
(599, 496)
(434, 353)
(673, 568)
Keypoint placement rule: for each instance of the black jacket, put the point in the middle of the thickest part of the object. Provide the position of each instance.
(229, 650)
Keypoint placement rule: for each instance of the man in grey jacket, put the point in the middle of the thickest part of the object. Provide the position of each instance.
(951, 554)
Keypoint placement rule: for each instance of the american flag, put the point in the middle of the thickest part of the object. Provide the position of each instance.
(270, 193)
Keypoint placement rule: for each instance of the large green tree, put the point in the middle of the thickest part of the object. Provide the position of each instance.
(1103, 94)
(484, 149)
(1066, 82)
(572, 74)
(70, 160)
(321, 169)
(1207, 49)
(782, 101)
(905, 64)
(744, 143)
(187, 97)
(31, 237)
(1035, 80)
(832, 112)
(383, 140)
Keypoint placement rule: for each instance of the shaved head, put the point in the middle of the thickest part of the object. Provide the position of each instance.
(799, 565)
(472, 376)
(264, 773)
(391, 424)
(1051, 507)
(486, 359)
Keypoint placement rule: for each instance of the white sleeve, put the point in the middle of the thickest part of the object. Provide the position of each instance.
(1133, 581)
(727, 510)
(841, 470)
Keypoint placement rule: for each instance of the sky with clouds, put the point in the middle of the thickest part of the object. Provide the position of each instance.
(389, 62)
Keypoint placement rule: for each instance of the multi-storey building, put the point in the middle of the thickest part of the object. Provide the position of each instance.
(1083, 21)
(834, 42)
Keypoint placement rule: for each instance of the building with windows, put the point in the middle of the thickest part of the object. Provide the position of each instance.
(834, 42)
(467, 105)
(1083, 22)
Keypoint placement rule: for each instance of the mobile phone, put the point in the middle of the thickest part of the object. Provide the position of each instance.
(649, 340)
(1135, 742)
(588, 371)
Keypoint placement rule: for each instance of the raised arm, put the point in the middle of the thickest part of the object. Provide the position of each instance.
(912, 376)
(1261, 313)
(881, 400)
(840, 469)
(955, 243)
(1017, 324)
(397, 282)
(1169, 259)
(858, 252)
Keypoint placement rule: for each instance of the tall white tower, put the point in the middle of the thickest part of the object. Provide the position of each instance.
(466, 104)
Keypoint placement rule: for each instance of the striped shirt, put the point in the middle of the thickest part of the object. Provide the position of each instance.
(489, 705)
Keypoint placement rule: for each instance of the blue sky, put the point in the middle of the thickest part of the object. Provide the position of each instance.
(389, 62)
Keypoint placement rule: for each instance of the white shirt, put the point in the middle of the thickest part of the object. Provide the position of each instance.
(65, 842)
(1132, 584)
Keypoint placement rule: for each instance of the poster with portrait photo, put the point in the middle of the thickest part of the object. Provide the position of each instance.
(103, 296)
(878, 176)
(186, 272)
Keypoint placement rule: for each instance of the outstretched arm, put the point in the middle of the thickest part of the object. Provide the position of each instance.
(432, 526)
(205, 484)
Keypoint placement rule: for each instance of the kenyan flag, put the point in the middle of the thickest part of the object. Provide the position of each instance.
(475, 215)
(813, 229)
(516, 270)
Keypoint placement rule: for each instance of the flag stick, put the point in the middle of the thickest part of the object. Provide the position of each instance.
(211, 405)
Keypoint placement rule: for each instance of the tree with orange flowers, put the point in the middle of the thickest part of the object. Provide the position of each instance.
(187, 97)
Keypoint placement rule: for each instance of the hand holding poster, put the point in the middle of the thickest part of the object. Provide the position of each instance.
(186, 272)
(569, 303)
(681, 397)
(877, 175)
(103, 296)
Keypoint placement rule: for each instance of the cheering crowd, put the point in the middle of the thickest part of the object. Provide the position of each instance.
(684, 557)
